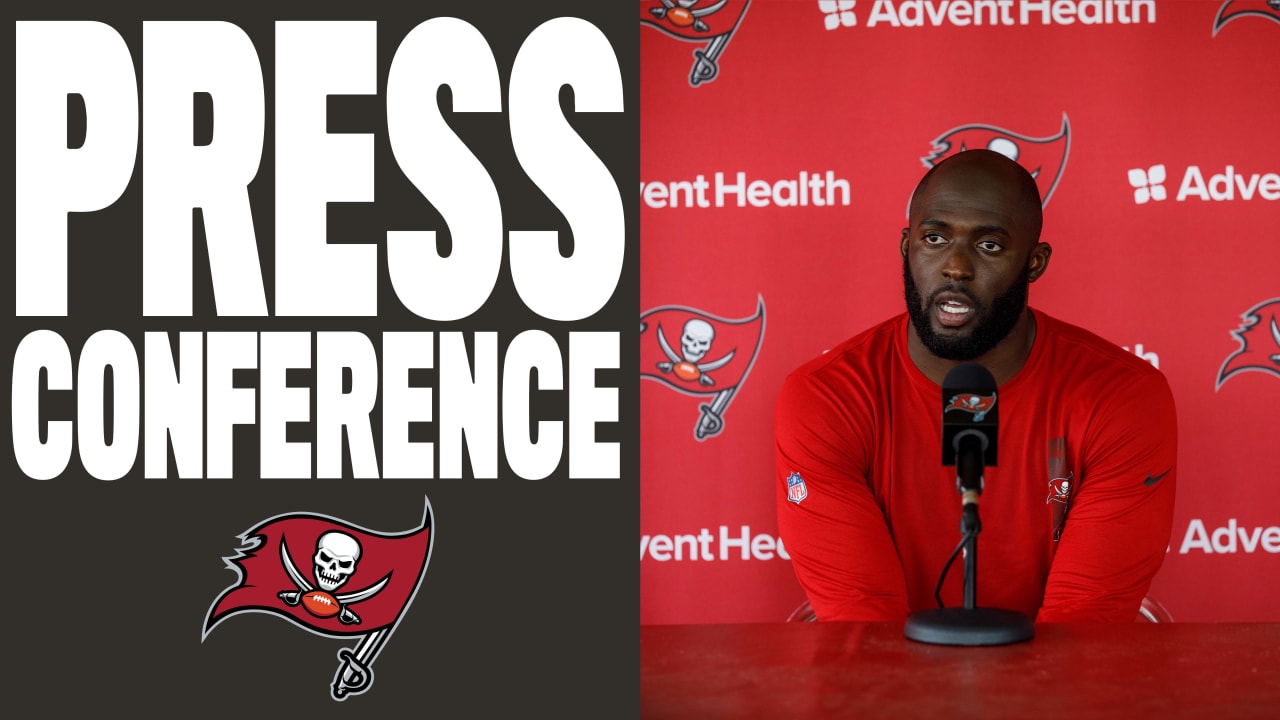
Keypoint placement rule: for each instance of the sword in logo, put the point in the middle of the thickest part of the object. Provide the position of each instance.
(705, 67)
(710, 423)
(355, 672)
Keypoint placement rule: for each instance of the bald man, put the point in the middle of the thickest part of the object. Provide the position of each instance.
(1076, 517)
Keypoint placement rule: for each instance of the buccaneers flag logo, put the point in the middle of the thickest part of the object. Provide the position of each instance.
(979, 405)
(1044, 157)
(698, 353)
(1259, 337)
(712, 22)
(1059, 490)
(332, 578)
(1232, 9)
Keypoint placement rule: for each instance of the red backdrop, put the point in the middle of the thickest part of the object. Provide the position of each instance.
(780, 141)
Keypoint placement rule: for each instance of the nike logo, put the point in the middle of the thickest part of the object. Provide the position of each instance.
(1153, 479)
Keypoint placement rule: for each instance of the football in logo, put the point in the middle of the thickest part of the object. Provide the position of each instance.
(321, 604)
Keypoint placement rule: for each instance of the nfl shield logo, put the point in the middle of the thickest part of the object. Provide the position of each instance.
(796, 490)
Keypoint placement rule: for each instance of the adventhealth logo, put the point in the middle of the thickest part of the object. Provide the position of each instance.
(937, 13)
(806, 187)
(1228, 185)
(1148, 184)
(1230, 538)
(729, 543)
(839, 13)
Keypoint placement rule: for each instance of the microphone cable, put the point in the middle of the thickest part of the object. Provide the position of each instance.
(937, 591)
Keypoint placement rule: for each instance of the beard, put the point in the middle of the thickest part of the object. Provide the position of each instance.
(990, 326)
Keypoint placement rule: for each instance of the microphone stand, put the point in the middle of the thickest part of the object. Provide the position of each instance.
(970, 526)
(969, 625)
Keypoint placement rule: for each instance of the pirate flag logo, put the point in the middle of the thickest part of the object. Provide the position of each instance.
(1059, 490)
(700, 354)
(713, 22)
(1044, 157)
(1061, 485)
(331, 578)
(1233, 9)
(1259, 338)
(979, 405)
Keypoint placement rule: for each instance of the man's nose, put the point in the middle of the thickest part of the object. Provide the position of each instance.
(959, 263)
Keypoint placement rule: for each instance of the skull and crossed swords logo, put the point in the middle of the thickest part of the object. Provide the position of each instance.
(334, 563)
(695, 343)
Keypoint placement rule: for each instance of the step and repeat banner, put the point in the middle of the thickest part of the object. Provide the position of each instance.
(779, 144)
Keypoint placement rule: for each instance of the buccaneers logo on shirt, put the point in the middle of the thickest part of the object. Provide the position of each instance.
(1044, 157)
(1060, 490)
(1061, 485)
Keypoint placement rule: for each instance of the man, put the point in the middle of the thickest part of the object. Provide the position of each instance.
(1077, 514)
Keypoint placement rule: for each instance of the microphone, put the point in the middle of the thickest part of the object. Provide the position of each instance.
(970, 419)
(969, 423)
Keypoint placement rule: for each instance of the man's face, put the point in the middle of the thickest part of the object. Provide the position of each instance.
(968, 257)
(984, 327)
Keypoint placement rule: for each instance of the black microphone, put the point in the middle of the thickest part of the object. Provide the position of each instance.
(970, 419)
(969, 424)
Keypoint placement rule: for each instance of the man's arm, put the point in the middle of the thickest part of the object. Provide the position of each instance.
(836, 535)
(1117, 531)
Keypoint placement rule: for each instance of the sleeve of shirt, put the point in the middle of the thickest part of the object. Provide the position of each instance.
(1117, 531)
(836, 535)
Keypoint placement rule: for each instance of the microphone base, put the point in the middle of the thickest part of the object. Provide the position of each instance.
(969, 626)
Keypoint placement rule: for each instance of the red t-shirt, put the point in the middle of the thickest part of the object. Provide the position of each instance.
(1087, 450)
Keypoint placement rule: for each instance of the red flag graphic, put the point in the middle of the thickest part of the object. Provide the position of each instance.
(709, 21)
(1044, 157)
(698, 353)
(1259, 338)
(1233, 9)
(697, 20)
(325, 574)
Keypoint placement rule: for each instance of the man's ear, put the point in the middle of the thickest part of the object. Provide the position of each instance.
(1039, 261)
(905, 241)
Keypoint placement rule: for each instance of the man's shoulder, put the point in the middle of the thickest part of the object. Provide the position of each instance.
(1076, 351)
(849, 373)
(843, 386)
(871, 347)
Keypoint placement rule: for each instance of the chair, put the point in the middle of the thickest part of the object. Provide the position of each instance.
(1151, 611)
(804, 613)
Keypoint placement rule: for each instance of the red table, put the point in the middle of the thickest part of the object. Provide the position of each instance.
(791, 671)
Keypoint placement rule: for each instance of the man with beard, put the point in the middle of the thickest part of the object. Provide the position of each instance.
(1077, 515)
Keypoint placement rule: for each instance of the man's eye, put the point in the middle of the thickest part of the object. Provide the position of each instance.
(934, 239)
(990, 246)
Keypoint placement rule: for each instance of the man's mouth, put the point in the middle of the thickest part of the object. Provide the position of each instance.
(953, 311)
